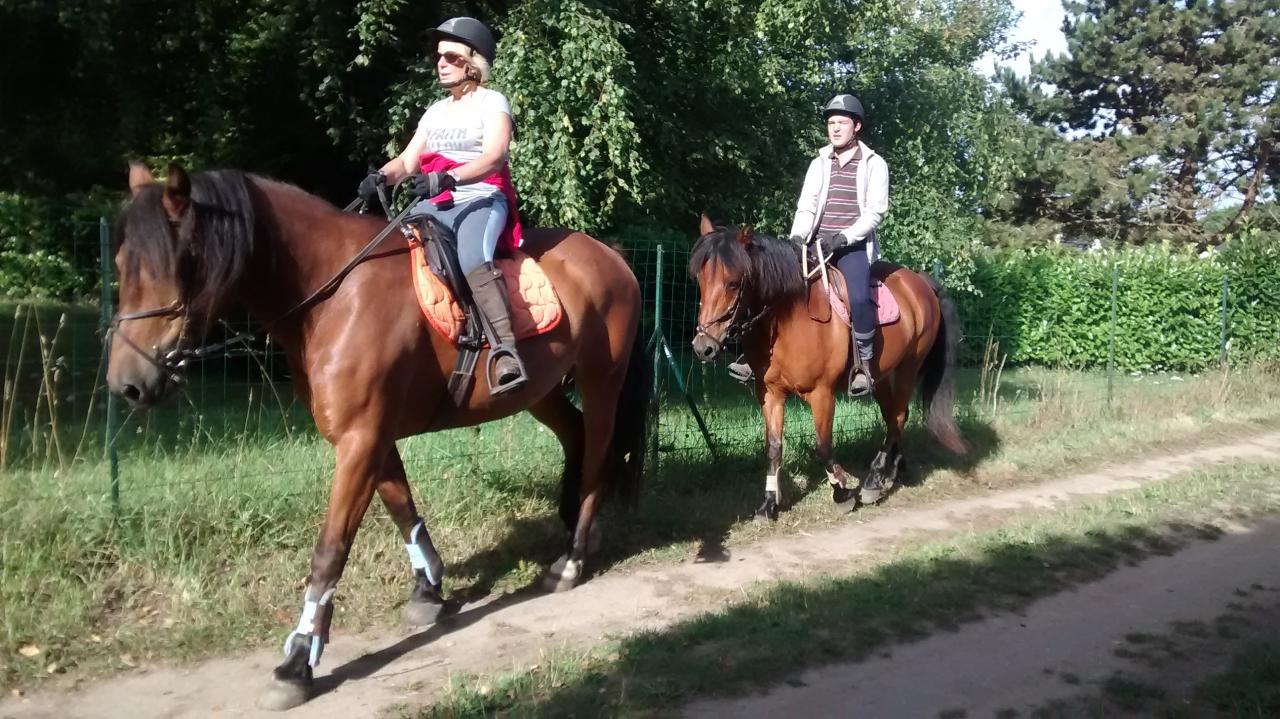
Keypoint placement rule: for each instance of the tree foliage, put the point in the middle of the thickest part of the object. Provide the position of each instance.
(1158, 113)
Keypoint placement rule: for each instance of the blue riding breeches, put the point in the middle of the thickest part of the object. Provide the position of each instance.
(476, 223)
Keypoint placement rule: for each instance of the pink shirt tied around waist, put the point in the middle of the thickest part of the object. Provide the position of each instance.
(512, 236)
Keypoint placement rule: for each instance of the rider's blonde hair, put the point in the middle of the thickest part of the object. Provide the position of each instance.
(478, 67)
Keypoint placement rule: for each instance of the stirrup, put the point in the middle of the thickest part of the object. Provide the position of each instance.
(860, 367)
(741, 371)
(495, 354)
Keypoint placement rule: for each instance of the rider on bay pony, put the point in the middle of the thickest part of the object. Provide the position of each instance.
(844, 197)
(457, 163)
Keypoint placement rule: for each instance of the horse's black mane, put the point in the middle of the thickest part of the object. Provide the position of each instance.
(769, 266)
(205, 255)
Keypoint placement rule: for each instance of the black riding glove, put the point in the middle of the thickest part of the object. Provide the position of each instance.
(829, 243)
(430, 184)
(368, 190)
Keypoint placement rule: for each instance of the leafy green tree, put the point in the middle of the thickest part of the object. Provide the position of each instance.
(1168, 109)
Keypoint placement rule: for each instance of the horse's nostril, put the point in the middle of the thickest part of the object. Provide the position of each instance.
(131, 393)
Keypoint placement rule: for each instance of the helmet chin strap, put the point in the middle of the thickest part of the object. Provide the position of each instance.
(459, 83)
(853, 141)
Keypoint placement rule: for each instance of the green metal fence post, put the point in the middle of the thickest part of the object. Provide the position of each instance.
(657, 366)
(1111, 351)
(1222, 356)
(108, 310)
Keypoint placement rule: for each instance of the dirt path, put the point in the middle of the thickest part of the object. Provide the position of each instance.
(363, 674)
(1011, 665)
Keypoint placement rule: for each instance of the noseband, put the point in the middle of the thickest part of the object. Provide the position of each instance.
(175, 361)
(735, 329)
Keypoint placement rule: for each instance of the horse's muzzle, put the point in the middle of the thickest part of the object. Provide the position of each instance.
(140, 380)
(705, 348)
(143, 392)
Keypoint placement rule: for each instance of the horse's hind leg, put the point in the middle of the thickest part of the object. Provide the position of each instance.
(822, 402)
(600, 391)
(361, 457)
(561, 417)
(426, 600)
(894, 399)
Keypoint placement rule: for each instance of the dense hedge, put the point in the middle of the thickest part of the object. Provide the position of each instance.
(1053, 306)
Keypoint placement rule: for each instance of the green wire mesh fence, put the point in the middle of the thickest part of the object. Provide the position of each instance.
(238, 418)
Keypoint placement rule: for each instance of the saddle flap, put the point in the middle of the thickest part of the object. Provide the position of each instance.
(819, 305)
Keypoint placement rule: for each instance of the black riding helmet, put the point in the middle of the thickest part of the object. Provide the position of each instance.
(843, 105)
(468, 31)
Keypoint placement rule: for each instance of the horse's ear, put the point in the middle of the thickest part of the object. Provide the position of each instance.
(705, 227)
(744, 235)
(139, 177)
(177, 192)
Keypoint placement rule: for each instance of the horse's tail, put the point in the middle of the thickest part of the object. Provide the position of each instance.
(631, 424)
(937, 391)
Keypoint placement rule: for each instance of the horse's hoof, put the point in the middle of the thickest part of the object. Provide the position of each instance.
(871, 496)
(564, 575)
(281, 695)
(874, 494)
(422, 614)
(768, 512)
(844, 500)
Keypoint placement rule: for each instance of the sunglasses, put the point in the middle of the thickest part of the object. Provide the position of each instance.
(453, 58)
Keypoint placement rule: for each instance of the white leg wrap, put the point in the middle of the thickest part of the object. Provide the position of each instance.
(771, 484)
(307, 626)
(423, 554)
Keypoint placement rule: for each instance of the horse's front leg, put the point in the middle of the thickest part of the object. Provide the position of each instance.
(426, 600)
(360, 458)
(822, 402)
(773, 406)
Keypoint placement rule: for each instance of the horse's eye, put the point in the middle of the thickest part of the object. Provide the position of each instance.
(734, 284)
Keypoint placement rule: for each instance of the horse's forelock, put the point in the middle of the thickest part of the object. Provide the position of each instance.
(721, 245)
(209, 252)
(145, 235)
(772, 265)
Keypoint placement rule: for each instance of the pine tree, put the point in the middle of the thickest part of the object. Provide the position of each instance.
(1165, 110)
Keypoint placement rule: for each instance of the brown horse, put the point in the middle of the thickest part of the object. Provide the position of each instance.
(367, 365)
(753, 285)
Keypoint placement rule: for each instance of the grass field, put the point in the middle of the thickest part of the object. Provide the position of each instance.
(222, 493)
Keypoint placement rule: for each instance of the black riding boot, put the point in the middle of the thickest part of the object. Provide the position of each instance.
(506, 371)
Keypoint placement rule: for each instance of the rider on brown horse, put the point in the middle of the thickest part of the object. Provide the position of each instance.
(844, 197)
(458, 163)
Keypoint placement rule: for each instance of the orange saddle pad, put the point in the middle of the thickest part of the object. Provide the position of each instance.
(535, 308)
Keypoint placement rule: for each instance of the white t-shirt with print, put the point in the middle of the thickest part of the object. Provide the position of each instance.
(456, 130)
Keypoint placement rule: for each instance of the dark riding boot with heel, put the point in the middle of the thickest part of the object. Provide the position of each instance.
(506, 371)
(861, 381)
